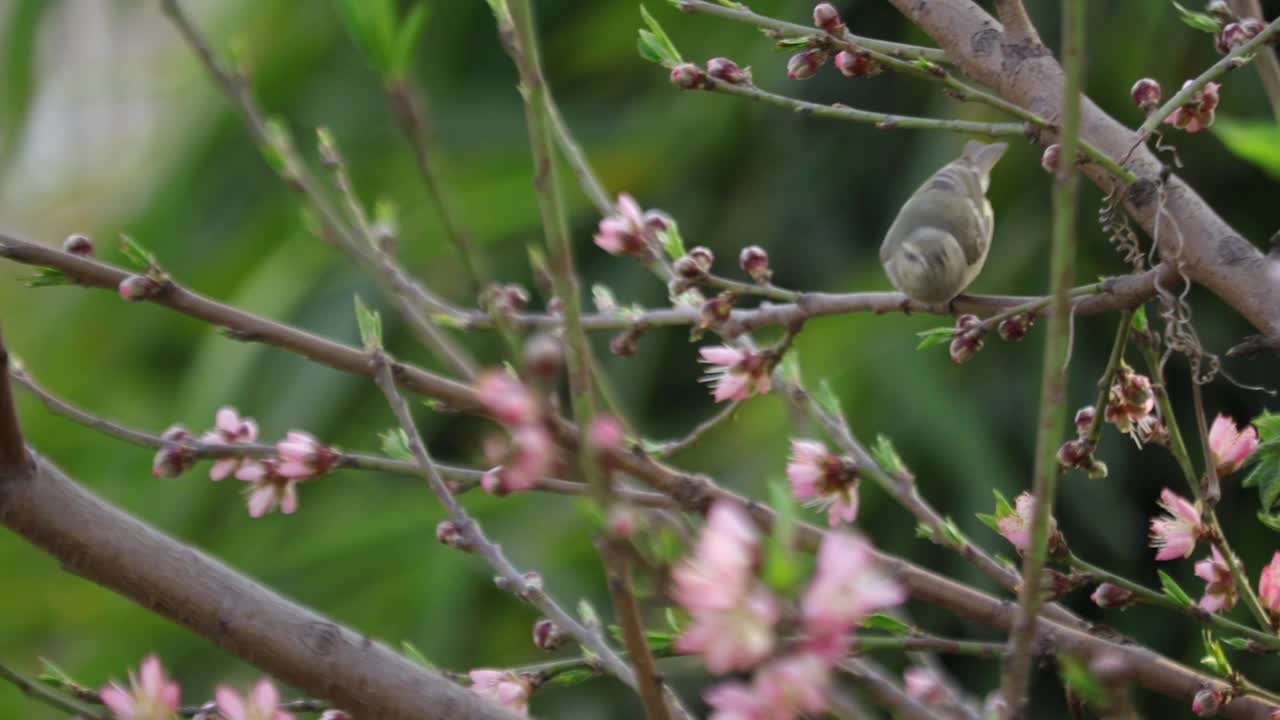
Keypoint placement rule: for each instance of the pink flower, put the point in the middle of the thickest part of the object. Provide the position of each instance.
(824, 479)
(528, 460)
(629, 230)
(720, 570)
(1175, 534)
(736, 701)
(503, 687)
(506, 398)
(1220, 593)
(794, 685)
(1269, 585)
(1197, 114)
(261, 704)
(1230, 446)
(302, 456)
(270, 488)
(172, 460)
(736, 374)
(151, 695)
(606, 433)
(922, 684)
(1016, 526)
(229, 428)
(1131, 404)
(733, 638)
(847, 586)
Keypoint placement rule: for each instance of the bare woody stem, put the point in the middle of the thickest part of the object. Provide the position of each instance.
(1108, 379)
(511, 578)
(521, 41)
(1017, 670)
(885, 692)
(38, 692)
(1267, 64)
(627, 611)
(1229, 62)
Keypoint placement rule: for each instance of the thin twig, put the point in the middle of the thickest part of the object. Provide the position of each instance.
(618, 579)
(885, 691)
(1209, 483)
(38, 692)
(1017, 669)
(1108, 378)
(671, 447)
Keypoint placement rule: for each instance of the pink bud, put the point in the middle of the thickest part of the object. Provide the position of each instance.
(857, 64)
(1013, 329)
(1051, 158)
(449, 534)
(827, 18)
(1108, 596)
(335, 715)
(964, 346)
(754, 261)
(78, 245)
(606, 433)
(1232, 36)
(543, 356)
(546, 635)
(532, 582)
(804, 65)
(625, 344)
(688, 76)
(722, 68)
(623, 521)
(1208, 701)
(1146, 94)
(966, 321)
(137, 287)
(1074, 453)
(1084, 419)
(703, 256)
(1252, 26)
(688, 268)
(505, 299)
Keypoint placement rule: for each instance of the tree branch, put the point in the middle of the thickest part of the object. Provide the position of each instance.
(1215, 255)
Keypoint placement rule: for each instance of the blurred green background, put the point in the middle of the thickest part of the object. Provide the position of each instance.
(109, 125)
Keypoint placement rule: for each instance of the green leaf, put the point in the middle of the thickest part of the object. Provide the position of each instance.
(1173, 591)
(276, 144)
(789, 368)
(781, 566)
(406, 38)
(395, 442)
(414, 654)
(797, 43)
(1214, 658)
(888, 623)
(1256, 141)
(371, 25)
(602, 297)
(137, 255)
(1139, 321)
(650, 49)
(569, 678)
(826, 398)
(989, 520)
(887, 457)
(500, 11)
(1076, 676)
(1237, 643)
(370, 323)
(668, 48)
(935, 336)
(671, 241)
(1003, 507)
(1198, 20)
(54, 675)
(1271, 521)
(47, 277)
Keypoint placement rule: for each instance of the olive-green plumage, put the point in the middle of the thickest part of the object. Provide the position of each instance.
(939, 241)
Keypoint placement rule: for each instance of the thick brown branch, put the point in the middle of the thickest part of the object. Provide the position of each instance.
(100, 543)
(1214, 254)
(13, 450)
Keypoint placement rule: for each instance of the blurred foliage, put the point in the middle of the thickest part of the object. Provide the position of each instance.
(817, 194)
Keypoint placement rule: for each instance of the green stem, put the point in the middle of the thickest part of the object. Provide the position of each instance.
(772, 292)
(1017, 669)
(523, 46)
(883, 121)
(40, 693)
(577, 160)
(1230, 61)
(1266, 641)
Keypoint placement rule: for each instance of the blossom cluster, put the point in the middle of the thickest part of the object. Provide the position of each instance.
(152, 695)
(299, 456)
(529, 455)
(824, 479)
(733, 616)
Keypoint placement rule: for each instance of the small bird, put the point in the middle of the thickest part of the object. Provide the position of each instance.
(938, 243)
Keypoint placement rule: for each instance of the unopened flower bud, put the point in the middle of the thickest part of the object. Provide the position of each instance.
(1052, 158)
(966, 321)
(78, 245)
(688, 76)
(137, 287)
(1208, 701)
(1220, 11)
(1146, 94)
(804, 65)
(606, 433)
(546, 635)
(1074, 453)
(1232, 36)
(491, 482)
(1252, 26)
(625, 344)
(532, 582)
(1013, 329)
(1097, 469)
(543, 356)
(755, 262)
(703, 256)
(1108, 596)
(717, 310)
(722, 68)
(827, 18)
(623, 521)
(449, 534)
(964, 346)
(1084, 419)
(857, 64)
(688, 268)
(657, 221)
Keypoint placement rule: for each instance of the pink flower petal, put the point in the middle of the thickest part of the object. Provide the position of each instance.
(119, 701)
(229, 704)
(721, 355)
(261, 500)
